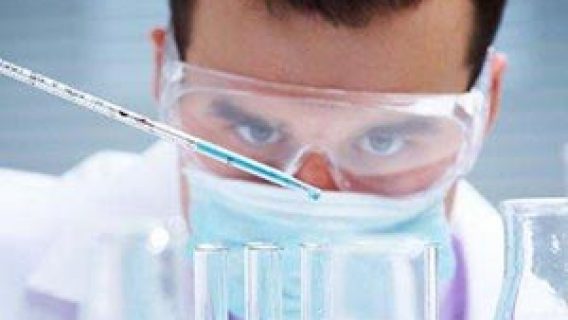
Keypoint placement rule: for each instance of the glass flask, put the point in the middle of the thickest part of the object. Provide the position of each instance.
(535, 282)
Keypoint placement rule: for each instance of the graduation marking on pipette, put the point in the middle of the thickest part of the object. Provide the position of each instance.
(156, 128)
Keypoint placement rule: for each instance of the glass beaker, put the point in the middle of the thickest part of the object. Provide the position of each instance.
(139, 271)
(376, 279)
(535, 282)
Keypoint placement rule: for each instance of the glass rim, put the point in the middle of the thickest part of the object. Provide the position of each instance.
(532, 207)
(210, 247)
(408, 246)
(262, 246)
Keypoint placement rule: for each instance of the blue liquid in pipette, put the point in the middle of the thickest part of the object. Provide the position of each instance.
(255, 168)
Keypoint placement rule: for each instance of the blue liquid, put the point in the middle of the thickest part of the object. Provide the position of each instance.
(257, 169)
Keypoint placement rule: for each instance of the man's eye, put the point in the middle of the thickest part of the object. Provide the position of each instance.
(381, 144)
(257, 133)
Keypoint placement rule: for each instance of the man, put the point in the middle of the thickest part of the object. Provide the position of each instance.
(287, 82)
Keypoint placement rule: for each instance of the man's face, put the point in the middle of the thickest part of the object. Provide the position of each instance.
(422, 49)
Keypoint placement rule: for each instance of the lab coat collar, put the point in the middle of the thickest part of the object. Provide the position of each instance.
(128, 184)
(478, 226)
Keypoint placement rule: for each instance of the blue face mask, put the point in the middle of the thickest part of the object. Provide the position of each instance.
(235, 212)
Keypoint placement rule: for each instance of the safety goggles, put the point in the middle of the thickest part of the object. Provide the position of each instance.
(394, 145)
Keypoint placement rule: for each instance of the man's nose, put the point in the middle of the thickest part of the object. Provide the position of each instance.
(315, 169)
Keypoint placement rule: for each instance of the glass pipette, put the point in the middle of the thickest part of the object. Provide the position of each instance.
(156, 128)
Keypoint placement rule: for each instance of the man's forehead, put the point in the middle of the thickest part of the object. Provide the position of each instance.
(420, 49)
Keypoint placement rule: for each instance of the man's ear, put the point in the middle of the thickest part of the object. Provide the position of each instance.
(158, 37)
(498, 68)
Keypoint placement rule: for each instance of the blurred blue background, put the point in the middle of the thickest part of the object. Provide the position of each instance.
(102, 46)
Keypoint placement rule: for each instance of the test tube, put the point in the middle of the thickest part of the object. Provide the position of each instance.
(263, 282)
(210, 268)
(313, 262)
(431, 306)
(408, 295)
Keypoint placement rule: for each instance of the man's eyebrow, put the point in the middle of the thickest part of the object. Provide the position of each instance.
(229, 110)
(407, 126)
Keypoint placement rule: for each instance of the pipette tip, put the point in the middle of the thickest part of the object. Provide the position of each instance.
(314, 194)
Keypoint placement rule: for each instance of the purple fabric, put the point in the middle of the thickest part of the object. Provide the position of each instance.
(454, 306)
(45, 307)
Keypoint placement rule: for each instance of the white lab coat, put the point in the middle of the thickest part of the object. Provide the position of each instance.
(44, 223)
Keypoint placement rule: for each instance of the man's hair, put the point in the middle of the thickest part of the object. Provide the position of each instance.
(355, 14)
